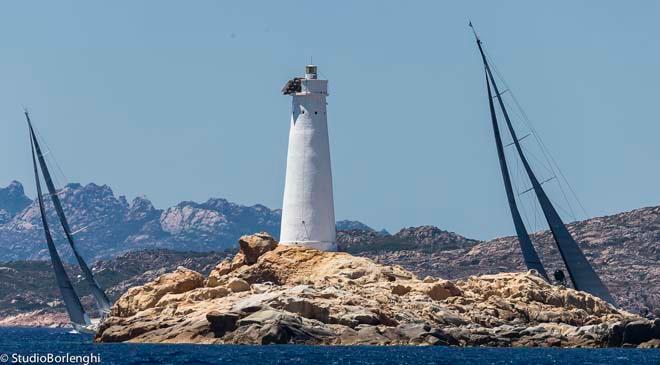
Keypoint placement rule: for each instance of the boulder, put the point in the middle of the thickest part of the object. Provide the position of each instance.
(253, 246)
(651, 344)
(308, 309)
(222, 323)
(219, 271)
(443, 290)
(146, 296)
(238, 285)
(637, 332)
(401, 289)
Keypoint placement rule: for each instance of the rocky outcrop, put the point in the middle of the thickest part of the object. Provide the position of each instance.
(347, 225)
(12, 201)
(623, 248)
(423, 238)
(38, 318)
(276, 294)
(147, 296)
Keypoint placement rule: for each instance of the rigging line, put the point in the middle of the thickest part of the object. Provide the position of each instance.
(552, 171)
(52, 158)
(519, 139)
(568, 202)
(523, 201)
(547, 165)
(544, 149)
(554, 175)
(541, 183)
(529, 152)
(536, 219)
(559, 184)
(528, 208)
(564, 210)
(519, 177)
(525, 118)
(513, 112)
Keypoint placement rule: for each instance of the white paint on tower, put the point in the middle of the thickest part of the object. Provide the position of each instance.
(308, 213)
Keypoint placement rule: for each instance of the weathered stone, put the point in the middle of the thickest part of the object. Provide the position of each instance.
(363, 336)
(443, 290)
(267, 315)
(219, 271)
(253, 246)
(356, 316)
(308, 309)
(222, 323)
(651, 344)
(429, 279)
(636, 332)
(143, 297)
(400, 289)
(276, 333)
(238, 285)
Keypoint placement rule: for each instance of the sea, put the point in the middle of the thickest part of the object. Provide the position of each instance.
(58, 346)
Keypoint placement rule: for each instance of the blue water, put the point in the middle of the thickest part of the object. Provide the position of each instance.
(43, 341)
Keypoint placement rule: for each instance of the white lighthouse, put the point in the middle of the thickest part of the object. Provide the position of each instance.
(308, 212)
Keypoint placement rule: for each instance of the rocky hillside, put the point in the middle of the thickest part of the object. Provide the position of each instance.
(424, 239)
(275, 294)
(623, 248)
(108, 225)
(29, 286)
(12, 201)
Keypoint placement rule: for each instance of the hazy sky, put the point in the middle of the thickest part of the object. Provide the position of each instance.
(181, 100)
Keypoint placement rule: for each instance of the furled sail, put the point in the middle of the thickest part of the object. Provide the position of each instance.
(529, 253)
(580, 271)
(102, 300)
(73, 306)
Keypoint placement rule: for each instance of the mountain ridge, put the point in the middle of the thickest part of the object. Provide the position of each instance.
(110, 225)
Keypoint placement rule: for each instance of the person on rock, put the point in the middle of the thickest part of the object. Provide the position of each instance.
(560, 278)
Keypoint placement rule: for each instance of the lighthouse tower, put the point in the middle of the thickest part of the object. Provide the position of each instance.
(308, 213)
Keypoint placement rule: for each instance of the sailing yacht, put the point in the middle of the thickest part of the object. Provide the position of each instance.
(580, 271)
(77, 315)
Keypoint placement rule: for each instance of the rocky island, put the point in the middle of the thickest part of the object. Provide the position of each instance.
(277, 294)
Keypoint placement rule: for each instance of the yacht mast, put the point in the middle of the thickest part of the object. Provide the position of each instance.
(71, 302)
(580, 271)
(529, 253)
(102, 300)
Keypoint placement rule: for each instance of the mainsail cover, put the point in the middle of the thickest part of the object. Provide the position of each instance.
(529, 253)
(102, 300)
(579, 269)
(73, 306)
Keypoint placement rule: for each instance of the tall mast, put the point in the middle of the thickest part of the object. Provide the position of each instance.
(71, 302)
(580, 271)
(102, 300)
(529, 253)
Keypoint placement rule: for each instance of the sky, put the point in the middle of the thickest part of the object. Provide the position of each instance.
(181, 100)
